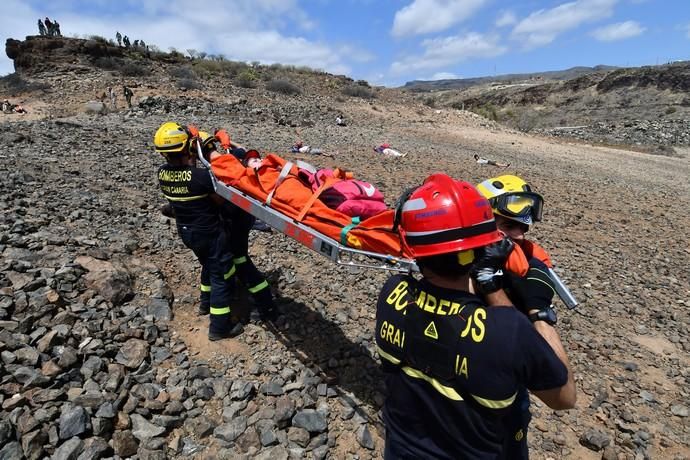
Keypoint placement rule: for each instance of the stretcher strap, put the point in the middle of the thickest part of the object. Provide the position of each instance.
(307, 206)
(287, 167)
(347, 228)
(283, 174)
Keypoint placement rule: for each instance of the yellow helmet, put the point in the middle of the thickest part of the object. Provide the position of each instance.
(171, 137)
(512, 198)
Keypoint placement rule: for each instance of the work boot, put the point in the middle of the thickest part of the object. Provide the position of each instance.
(236, 330)
(203, 310)
(261, 226)
(265, 314)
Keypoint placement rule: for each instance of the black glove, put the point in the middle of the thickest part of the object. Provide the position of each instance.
(488, 268)
(534, 291)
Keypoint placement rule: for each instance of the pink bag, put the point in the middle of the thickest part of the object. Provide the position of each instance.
(353, 197)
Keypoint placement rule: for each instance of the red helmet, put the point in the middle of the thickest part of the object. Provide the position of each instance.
(444, 215)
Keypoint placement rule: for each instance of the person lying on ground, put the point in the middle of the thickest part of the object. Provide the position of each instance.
(387, 150)
(484, 161)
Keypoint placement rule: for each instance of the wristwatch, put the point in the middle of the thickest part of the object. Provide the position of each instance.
(548, 315)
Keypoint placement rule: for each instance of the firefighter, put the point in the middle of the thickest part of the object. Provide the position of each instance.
(238, 224)
(516, 207)
(454, 349)
(190, 191)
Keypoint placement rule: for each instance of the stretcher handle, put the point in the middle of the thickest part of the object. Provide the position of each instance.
(562, 290)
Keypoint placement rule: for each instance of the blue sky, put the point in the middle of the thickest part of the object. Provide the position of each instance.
(386, 42)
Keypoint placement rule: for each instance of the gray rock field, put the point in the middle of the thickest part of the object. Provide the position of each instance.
(103, 356)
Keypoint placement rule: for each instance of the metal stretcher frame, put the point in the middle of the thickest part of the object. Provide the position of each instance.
(330, 248)
(307, 236)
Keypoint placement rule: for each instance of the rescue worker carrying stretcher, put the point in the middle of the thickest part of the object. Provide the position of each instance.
(190, 191)
(238, 223)
(515, 208)
(455, 350)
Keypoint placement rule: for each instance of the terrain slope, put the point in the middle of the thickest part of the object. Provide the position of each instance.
(102, 353)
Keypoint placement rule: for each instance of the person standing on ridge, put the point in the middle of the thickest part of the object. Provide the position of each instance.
(49, 27)
(190, 192)
(118, 37)
(41, 28)
(454, 349)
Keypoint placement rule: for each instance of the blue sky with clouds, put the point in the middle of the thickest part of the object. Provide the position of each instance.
(386, 42)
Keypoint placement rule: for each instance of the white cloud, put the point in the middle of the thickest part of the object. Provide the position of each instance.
(21, 22)
(542, 27)
(505, 18)
(356, 54)
(428, 16)
(618, 31)
(242, 30)
(443, 52)
(444, 76)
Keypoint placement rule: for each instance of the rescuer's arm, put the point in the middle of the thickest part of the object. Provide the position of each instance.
(563, 397)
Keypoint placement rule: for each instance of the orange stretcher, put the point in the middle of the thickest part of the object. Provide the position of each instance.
(276, 195)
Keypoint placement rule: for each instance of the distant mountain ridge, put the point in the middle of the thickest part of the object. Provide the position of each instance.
(462, 83)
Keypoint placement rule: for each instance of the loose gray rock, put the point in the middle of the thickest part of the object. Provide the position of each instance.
(679, 410)
(73, 422)
(94, 448)
(95, 107)
(33, 444)
(595, 440)
(69, 450)
(132, 353)
(310, 420)
(124, 443)
(274, 453)
(364, 437)
(231, 431)
(142, 429)
(11, 451)
(299, 436)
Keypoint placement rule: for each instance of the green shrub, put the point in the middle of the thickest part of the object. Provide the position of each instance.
(188, 83)
(108, 63)
(205, 67)
(14, 84)
(458, 105)
(358, 91)
(283, 87)
(99, 39)
(183, 73)
(246, 78)
(486, 111)
(134, 70)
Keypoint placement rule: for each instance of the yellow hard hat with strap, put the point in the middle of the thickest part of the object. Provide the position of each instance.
(171, 137)
(512, 198)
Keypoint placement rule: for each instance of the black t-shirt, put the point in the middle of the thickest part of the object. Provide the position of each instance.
(454, 367)
(188, 189)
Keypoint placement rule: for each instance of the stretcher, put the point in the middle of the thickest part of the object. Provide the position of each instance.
(327, 246)
(322, 244)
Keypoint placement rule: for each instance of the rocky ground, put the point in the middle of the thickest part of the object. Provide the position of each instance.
(102, 355)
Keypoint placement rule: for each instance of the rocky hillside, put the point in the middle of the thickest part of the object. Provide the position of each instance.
(462, 83)
(654, 100)
(102, 355)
